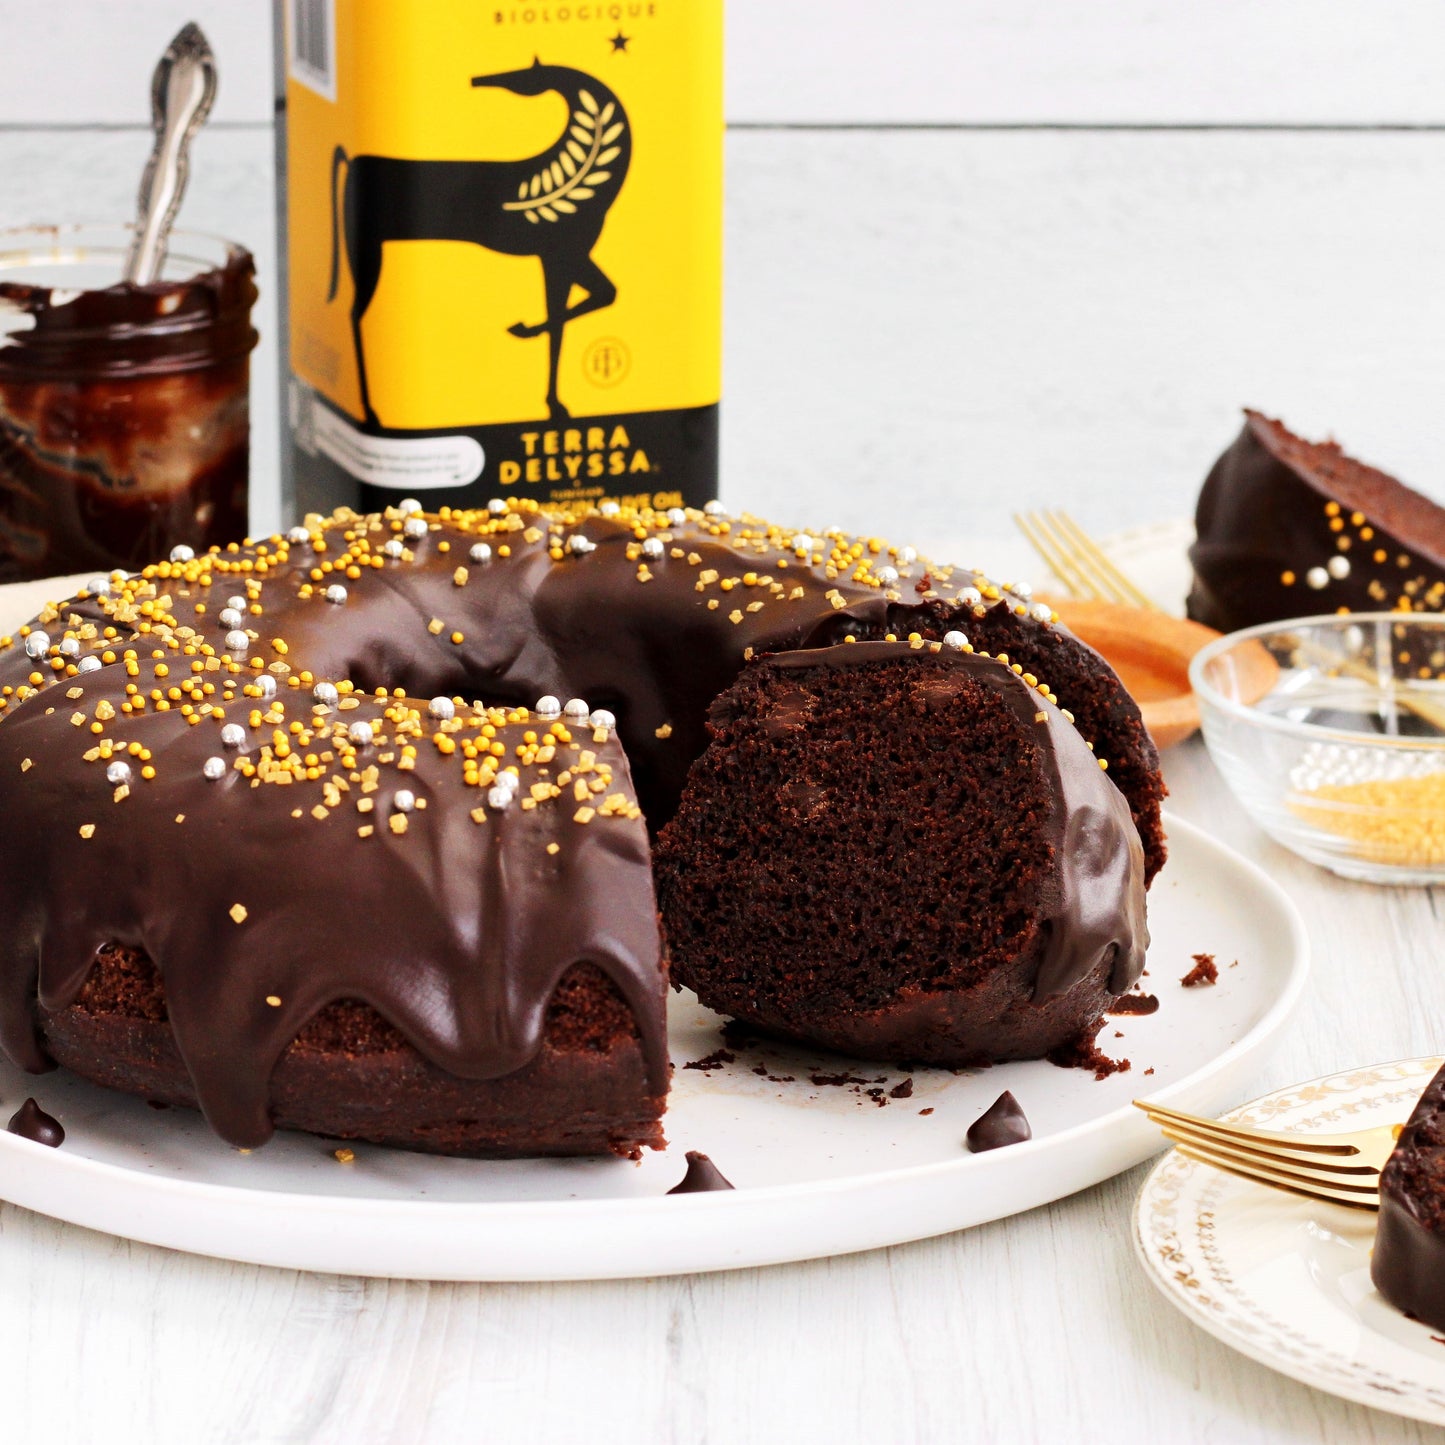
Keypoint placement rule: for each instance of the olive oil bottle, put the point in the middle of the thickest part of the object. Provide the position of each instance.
(502, 239)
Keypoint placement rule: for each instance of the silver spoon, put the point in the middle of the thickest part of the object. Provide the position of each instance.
(182, 91)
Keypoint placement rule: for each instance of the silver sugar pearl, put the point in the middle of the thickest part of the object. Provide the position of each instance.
(408, 505)
(970, 596)
(231, 617)
(497, 507)
(1338, 568)
(1317, 578)
(887, 575)
(404, 800)
(394, 548)
(715, 509)
(548, 706)
(232, 736)
(608, 509)
(90, 664)
(69, 647)
(676, 516)
(955, 640)
(802, 542)
(298, 535)
(118, 772)
(576, 708)
(443, 708)
(214, 769)
(182, 553)
(907, 555)
(500, 798)
(335, 593)
(415, 528)
(580, 544)
(1022, 590)
(654, 549)
(601, 718)
(267, 684)
(360, 734)
(1042, 612)
(325, 694)
(98, 586)
(481, 554)
(508, 780)
(238, 602)
(237, 641)
(37, 644)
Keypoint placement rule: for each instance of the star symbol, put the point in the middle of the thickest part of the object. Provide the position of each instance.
(619, 41)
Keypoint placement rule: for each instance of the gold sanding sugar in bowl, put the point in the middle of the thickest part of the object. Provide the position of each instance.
(1397, 820)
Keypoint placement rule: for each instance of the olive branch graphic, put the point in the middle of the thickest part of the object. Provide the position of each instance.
(555, 189)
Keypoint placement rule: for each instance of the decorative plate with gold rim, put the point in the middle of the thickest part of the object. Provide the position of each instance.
(1286, 1280)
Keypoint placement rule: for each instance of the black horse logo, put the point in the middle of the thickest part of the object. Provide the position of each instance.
(552, 206)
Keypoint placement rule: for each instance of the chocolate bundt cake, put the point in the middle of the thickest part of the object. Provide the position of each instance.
(1290, 528)
(435, 966)
(1408, 1263)
(903, 853)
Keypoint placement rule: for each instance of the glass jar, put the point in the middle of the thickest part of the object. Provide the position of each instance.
(124, 410)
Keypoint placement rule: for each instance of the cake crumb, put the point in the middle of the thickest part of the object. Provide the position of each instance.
(902, 1091)
(1148, 1071)
(1084, 1053)
(925, 1111)
(1133, 1003)
(714, 1060)
(238, 913)
(1205, 971)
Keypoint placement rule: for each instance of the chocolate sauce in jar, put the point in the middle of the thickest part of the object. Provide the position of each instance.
(124, 410)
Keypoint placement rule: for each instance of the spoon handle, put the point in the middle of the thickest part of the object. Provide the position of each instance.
(182, 91)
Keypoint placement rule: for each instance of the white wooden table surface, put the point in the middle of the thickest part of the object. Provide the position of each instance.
(1007, 252)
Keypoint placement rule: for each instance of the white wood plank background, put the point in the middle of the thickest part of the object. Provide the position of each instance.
(1364, 62)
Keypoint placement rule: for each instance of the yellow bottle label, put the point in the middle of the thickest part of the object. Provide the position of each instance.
(505, 225)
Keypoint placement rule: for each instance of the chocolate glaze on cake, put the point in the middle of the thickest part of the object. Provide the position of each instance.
(1001, 1124)
(31, 1122)
(350, 860)
(1290, 528)
(702, 1176)
(902, 853)
(1408, 1263)
(648, 615)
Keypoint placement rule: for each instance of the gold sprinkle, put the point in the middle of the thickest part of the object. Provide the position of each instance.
(180, 817)
(274, 1000)
(238, 913)
(397, 823)
(459, 577)
(435, 626)
(87, 830)
(320, 812)
(584, 815)
(365, 831)
(665, 731)
(735, 616)
(345, 1156)
(554, 847)
(26, 765)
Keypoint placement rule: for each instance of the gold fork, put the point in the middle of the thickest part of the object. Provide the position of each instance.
(1077, 560)
(1340, 1168)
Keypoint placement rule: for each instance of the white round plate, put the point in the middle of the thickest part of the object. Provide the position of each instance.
(821, 1165)
(1286, 1280)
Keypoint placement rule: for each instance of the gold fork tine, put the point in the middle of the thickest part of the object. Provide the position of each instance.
(1164, 1116)
(1093, 556)
(1345, 1166)
(1098, 581)
(1351, 1197)
(1055, 557)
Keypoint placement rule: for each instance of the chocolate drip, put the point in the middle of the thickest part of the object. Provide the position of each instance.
(30, 1121)
(702, 1176)
(1002, 1123)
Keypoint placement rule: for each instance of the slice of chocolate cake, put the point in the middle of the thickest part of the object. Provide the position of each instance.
(902, 853)
(1408, 1264)
(1290, 528)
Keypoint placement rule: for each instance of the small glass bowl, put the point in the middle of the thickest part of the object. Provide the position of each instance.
(1331, 733)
